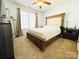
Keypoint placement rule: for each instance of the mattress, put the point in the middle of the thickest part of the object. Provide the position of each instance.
(45, 32)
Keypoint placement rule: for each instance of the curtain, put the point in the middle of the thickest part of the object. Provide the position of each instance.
(36, 24)
(18, 24)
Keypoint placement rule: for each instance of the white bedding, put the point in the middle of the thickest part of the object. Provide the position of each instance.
(47, 32)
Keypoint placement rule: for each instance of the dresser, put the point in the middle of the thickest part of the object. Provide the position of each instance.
(70, 33)
(6, 41)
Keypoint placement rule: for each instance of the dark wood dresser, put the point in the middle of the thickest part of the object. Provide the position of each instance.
(6, 41)
(70, 33)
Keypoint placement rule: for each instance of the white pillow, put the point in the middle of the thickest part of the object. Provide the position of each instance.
(47, 26)
(51, 27)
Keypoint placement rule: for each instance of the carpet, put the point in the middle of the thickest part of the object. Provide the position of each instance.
(59, 49)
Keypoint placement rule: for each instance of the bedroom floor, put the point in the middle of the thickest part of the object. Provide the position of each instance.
(59, 49)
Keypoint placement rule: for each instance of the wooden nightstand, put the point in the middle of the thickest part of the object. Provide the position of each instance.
(69, 33)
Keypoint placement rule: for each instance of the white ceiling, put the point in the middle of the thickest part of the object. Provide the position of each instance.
(45, 7)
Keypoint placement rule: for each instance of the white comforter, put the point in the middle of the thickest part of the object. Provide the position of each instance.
(46, 32)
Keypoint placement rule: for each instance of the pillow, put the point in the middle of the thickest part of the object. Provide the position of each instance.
(47, 26)
(51, 27)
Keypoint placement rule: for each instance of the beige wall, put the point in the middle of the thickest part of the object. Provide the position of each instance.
(40, 19)
(71, 12)
(71, 9)
(13, 10)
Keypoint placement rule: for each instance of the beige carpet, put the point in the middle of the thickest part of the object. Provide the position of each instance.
(59, 49)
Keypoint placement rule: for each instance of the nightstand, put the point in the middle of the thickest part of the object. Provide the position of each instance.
(69, 33)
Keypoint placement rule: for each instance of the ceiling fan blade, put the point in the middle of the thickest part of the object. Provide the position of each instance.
(34, 3)
(47, 2)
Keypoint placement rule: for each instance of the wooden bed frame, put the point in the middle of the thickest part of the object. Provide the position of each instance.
(39, 41)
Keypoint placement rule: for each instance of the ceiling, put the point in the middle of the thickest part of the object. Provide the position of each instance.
(28, 3)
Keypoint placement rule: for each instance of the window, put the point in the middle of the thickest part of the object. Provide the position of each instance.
(28, 20)
(32, 20)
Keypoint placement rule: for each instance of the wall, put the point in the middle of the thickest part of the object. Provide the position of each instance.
(0, 7)
(13, 10)
(40, 19)
(2, 11)
(71, 10)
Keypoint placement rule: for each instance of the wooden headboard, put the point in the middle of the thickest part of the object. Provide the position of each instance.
(55, 20)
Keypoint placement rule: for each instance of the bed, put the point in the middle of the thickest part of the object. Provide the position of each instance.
(44, 36)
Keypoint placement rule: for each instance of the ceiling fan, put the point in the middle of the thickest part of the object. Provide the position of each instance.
(40, 2)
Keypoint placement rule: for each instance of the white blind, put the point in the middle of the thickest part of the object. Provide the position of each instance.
(32, 20)
(28, 20)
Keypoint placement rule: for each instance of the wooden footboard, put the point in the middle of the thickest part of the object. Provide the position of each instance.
(40, 42)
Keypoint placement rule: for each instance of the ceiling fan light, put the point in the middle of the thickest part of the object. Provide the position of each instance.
(40, 0)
